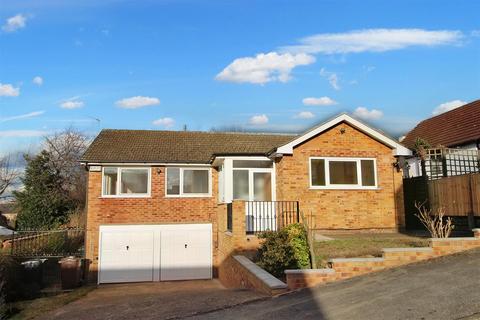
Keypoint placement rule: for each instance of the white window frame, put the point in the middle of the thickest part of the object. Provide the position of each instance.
(251, 172)
(329, 186)
(119, 183)
(189, 195)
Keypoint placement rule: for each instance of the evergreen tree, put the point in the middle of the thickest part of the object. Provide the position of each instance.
(42, 203)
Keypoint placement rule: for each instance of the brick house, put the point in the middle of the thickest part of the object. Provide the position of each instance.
(166, 205)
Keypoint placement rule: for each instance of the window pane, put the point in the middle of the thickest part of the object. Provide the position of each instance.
(110, 176)
(262, 186)
(240, 184)
(318, 172)
(368, 173)
(134, 181)
(173, 181)
(343, 172)
(195, 181)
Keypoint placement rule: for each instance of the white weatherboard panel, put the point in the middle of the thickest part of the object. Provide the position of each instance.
(136, 253)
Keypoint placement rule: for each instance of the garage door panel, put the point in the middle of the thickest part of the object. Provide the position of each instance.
(126, 257)
(128, 253)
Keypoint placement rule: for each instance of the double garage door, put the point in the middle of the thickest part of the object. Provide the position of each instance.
(135, 253)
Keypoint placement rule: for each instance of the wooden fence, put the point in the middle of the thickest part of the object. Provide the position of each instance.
(459, 195)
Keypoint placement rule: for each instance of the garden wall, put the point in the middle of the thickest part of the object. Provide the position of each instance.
(340, 269)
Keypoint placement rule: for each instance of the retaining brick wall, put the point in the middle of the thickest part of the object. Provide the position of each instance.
(246, 274)
(340, 269)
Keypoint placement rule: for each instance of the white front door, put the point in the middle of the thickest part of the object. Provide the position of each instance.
(136, 253)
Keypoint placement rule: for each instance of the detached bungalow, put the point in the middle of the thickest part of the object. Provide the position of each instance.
(172, 205)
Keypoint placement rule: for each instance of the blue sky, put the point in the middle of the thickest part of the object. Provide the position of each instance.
(260, 65)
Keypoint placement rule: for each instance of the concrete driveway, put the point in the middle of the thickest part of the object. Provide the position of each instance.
(161, 300)
(446, 288)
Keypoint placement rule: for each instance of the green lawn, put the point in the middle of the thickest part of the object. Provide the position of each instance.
(29, 309)
(362, 245)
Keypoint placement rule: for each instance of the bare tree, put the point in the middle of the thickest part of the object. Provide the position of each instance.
(65, 149)
(9, 173)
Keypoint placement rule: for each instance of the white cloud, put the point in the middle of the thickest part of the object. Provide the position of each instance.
(38, 80)
(374, 40)
(7, 90)
(322, 101)
(21, 133)
(364, 113)
(264, 67)
(304, 115)
(259, 119)
(137, 102)
(475, 33)
(14, 23)
(165, 122)
(23, 116)
(72, 103)
(447, 106)
(332, 78)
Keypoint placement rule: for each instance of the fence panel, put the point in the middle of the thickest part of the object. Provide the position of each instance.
(47, 243)
(414, 190)
(453, 194)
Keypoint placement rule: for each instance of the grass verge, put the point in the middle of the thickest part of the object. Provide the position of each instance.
(362, 245)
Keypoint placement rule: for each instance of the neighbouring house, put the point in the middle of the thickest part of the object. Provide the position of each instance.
(173, 205)
(454, 139)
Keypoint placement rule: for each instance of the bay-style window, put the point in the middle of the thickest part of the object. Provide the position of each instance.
(188, 182)
(343, 173)
(126, 182)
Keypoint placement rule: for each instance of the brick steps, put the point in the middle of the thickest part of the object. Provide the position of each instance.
(344, 268)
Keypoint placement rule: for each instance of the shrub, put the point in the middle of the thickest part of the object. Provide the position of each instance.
(297, 237)
(284, 249)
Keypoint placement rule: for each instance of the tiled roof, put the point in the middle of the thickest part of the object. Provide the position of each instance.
(177, 146)
(452, 128)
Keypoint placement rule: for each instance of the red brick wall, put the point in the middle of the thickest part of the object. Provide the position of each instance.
(351, 267)
(154, 210)
(343, 209)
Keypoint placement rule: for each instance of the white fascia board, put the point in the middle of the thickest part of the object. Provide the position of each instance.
(167, 164)
(398, 149)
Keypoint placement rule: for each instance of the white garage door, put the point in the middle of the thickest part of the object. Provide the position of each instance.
(135, 253)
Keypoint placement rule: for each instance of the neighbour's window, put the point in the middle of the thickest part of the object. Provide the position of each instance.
(342, 173)
(126, 181)
(188, 182)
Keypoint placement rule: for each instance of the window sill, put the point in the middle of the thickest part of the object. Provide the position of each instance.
(345, 188)
(126, 197)
(188, 196)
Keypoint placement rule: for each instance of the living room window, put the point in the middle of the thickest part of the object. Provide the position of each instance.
(343, 173)
(126, 182)
(188, 182)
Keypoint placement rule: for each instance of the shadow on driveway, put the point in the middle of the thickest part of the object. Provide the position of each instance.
(159, 300)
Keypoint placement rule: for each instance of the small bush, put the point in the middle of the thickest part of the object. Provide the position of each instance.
(284, 249)
(297, 237)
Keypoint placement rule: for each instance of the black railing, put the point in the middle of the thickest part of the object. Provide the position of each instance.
(270, 215)
(47, 243)
(229, 217)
